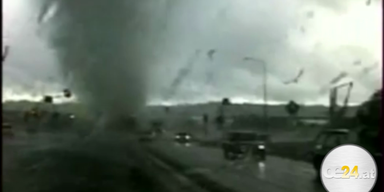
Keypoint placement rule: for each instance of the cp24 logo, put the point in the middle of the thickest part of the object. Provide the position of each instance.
(343, 172)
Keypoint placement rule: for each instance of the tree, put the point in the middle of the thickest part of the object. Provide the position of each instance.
(368, 113)
(67, 93)
(225, 101)
(48, 99)
(292, 108)
(368, 116)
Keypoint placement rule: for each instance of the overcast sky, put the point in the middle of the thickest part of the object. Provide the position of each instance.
(209, 39)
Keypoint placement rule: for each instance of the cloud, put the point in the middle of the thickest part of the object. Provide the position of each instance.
(337, 33)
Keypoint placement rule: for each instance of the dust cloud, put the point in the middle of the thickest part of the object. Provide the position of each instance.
(104, 47)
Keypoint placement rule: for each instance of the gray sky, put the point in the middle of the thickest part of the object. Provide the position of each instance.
(325, 37)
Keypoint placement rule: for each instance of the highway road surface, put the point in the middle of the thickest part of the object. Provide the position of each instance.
(62, 162)
(44, 162)
(273, 175)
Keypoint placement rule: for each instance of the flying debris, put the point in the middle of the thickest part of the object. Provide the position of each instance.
(334, 81)
(357, 62)
(47, 11)
(211, 53)
(339, 77)
(302, 29)
(368, 69)
(210, 73)
(181, 75)
(253, 59)
(368, 2)
(247, 59)
(310, 14)
(296, 79)
(5, 53)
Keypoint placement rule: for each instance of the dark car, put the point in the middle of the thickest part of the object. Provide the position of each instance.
(7, 129)
(183, 138)
(326, 141)
(239, 144)
(6, 126)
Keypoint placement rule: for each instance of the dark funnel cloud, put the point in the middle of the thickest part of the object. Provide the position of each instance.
(104, 46)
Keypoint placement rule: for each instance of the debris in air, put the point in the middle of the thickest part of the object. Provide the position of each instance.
(339, 77)
(357, 62)
(302, 29)
(368, 2)
(368, 69)
(211, 53)
(296, 79)
(181, 75)
(47, 12)
(5, 53)
(310, 14)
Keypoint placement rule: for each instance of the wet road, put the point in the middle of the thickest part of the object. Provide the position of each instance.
(47, 162)
(273, 175)
(113, 162)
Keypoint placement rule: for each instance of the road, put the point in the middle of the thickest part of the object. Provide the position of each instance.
(67, 161)
(273, 175)
(63, 161)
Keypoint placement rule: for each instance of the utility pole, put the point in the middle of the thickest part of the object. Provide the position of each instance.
(265, 98)
(265, 89)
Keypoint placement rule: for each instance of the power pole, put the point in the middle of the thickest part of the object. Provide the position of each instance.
(265, 98)
(265, 88)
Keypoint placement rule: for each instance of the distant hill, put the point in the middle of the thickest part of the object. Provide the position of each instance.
(313, 111)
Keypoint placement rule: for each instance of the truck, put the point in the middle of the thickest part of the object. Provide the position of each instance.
(365, 133)
(241, 144)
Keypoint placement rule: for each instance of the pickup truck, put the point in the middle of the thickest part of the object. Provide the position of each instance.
(242, 144)
(325, 142)
(331, 138)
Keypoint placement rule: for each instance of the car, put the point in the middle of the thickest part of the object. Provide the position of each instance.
(326, 141)
(6, 125)
(183, 138)
(7, 129)
(239, 144)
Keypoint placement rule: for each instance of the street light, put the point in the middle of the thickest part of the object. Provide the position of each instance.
(265, 93)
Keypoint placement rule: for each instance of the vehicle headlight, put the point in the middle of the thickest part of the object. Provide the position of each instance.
(177, 137)
(187, 137)
(319, 146)
(261, 147)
